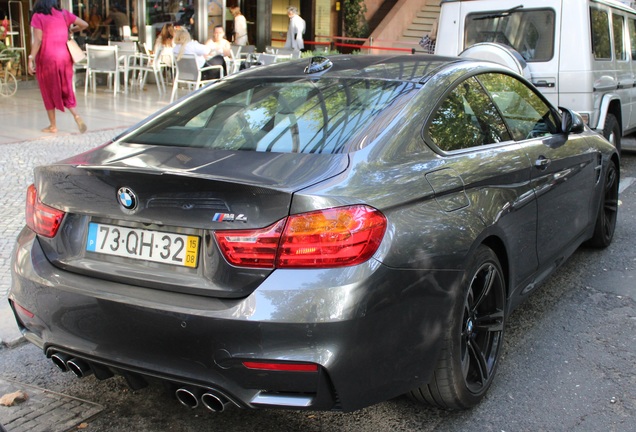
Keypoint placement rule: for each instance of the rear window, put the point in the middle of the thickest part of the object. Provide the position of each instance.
(286, 116)
(529, 31)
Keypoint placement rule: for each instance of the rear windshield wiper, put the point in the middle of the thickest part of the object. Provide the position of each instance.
(500, 14)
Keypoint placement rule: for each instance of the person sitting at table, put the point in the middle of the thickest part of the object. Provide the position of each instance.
(117, 20)
(165, 44)
(219, 48)
(95, 27)
(183, 44)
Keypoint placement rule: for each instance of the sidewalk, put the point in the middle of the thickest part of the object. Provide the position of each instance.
(23, 146)
(22, 116)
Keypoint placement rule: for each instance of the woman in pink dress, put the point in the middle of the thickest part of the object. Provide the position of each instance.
(50, 60)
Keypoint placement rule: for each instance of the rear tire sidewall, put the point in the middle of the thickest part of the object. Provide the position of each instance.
(464, 397)
(601, 237)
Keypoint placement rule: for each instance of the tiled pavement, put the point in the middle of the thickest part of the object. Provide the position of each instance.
(43, 410)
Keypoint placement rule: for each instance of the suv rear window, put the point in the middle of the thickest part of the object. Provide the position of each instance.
(529, 31)
(278, 115)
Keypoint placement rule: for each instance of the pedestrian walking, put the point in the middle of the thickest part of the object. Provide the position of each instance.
(240, 26)
(51, 61)
(295, 30)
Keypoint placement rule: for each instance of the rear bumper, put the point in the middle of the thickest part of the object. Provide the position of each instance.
(373, 331)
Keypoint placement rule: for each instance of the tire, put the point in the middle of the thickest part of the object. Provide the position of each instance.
(608, 210)
(612, 131)
(474, 338)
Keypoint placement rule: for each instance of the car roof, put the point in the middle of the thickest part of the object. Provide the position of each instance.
(412, 68)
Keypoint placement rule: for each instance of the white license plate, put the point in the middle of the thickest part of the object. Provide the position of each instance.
(158, 246)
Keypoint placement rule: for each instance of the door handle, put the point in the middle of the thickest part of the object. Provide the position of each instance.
(542, 162)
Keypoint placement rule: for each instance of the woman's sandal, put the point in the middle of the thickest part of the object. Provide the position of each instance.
(80, 124)
(50, 129)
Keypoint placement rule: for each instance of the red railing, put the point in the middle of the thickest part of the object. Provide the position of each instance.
(336, 42)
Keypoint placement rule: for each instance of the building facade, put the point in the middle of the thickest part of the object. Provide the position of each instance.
(267, 20)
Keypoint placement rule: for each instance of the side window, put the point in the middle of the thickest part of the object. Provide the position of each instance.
(631, 23)
(618, 22)
(467, 118)
(525, 113)
(601, 46)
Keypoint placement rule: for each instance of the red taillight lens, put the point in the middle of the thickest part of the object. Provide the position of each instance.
(42, 219)
(251, 248)
(287, 367)
(336, 237)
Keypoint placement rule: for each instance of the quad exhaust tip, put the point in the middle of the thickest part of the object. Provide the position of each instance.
(79, 367)
(188, 396)
(60, 360)
(213, 401)
(192, 397)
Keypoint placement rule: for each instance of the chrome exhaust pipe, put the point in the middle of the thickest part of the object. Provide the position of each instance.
(213, 401)
(189, 396)
(79, 367)
(59, 360)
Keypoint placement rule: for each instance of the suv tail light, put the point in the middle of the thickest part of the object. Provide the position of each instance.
(337, 237)
(42, 219)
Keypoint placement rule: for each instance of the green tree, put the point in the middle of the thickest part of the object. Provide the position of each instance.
(355, 24)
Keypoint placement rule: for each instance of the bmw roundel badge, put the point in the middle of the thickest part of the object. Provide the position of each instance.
(127, 198)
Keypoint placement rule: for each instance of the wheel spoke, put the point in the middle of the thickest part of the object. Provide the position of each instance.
(611, 180)
(611, 205)
(492, 322)
(488, 281)
(478, 362)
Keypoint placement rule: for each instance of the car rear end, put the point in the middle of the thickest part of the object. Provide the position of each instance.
(180, 251)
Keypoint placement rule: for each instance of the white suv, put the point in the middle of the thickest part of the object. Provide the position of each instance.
(578, 53)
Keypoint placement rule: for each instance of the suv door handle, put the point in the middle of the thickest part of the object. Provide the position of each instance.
(542, 162)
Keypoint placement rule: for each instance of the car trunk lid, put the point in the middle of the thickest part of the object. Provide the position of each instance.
(187, 193)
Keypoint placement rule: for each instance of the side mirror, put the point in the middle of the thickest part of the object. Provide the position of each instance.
(571, 121)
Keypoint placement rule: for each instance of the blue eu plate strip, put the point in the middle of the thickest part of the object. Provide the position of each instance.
(91, 241)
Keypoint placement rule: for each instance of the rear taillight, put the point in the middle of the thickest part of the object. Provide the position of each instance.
(42, 219)
(251, 248)
(336, 237)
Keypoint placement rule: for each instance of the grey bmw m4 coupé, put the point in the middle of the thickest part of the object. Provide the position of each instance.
(319, 234)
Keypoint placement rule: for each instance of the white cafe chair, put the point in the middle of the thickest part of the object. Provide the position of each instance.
(141, 64)
(236, 51)
(246, 50)
(126, 33)
(105, 59)
(266, 59)
(232, 63)
(188, 72)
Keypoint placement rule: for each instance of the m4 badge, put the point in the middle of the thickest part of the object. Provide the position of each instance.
(229, 217)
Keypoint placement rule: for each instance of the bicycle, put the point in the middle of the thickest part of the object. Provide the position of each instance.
(8, 82)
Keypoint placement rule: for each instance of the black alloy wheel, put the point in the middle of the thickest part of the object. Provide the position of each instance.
(608, 211)
(473, 342)
(482, 327)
